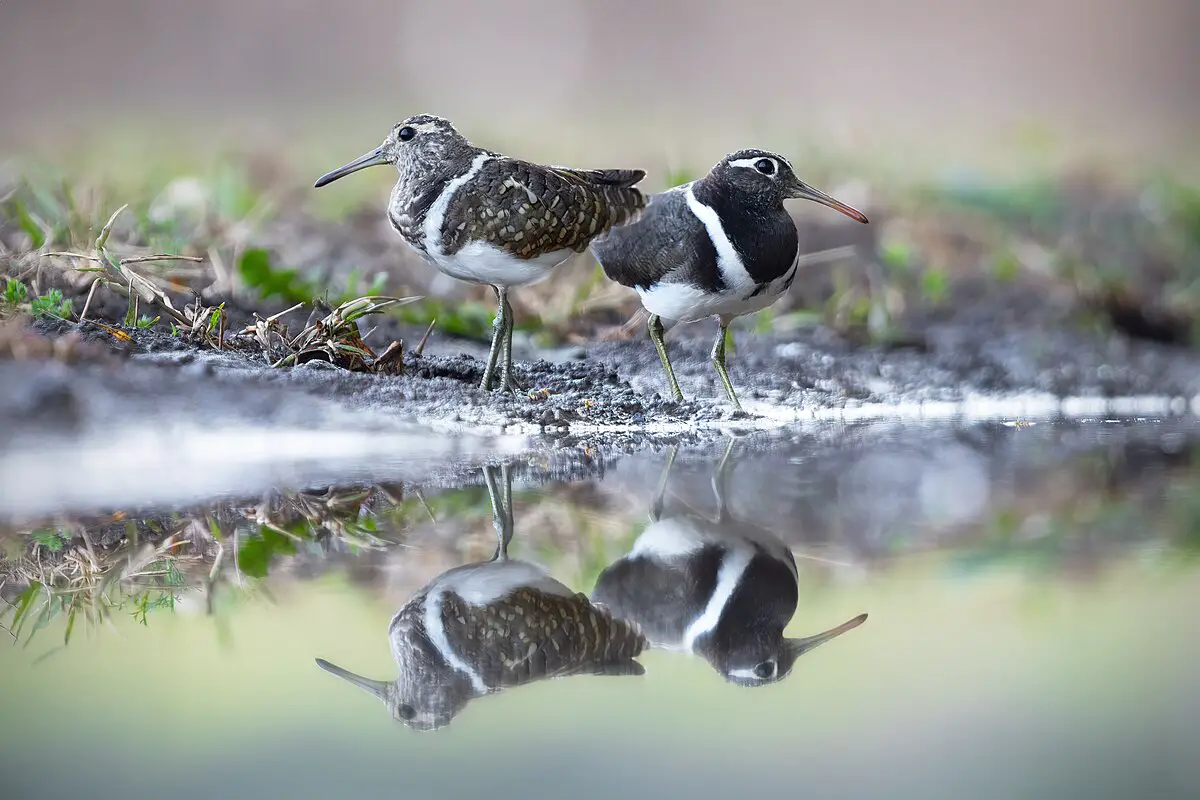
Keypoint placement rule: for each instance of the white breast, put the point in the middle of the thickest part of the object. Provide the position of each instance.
(672, 538)
(480, 262)
(487, 582)
(683, 302)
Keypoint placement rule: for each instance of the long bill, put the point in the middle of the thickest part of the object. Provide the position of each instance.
(799, 647)
(371, 159)
(380, 689)
(805, 192)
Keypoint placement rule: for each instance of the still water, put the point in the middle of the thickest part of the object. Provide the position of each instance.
(879, 610)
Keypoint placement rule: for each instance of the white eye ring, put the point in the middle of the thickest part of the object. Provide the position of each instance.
(765, 165)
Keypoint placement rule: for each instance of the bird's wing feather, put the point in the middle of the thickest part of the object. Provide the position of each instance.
(529, 210)
(604, 177)
(666, 242)
(552, 636)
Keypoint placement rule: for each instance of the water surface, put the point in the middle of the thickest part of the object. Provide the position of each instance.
(1029, 591)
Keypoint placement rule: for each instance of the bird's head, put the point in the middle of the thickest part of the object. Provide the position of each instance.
(769, 658)
(420, 701)
(765, 178)
(420, 144)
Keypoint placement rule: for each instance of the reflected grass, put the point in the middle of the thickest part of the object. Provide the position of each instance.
(1118, 510)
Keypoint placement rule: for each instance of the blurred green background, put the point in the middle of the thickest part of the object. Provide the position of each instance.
(991, 144)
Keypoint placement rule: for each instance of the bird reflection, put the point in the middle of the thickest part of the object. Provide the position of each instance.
(483, 627)
(716, 587)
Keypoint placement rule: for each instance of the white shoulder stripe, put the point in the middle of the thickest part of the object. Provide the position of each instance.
(437, 212)
(733, 566)
(729, 262)
(436, 631)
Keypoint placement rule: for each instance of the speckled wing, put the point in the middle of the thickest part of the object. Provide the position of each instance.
(532, 635)
(667, 242)
(529, 210)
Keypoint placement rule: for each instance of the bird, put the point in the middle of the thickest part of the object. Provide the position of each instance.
(717, 588)
(485, 218)
(722, 246)
(483, 627)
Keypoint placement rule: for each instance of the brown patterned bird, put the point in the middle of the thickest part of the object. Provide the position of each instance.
(481, 628)
(482, 217)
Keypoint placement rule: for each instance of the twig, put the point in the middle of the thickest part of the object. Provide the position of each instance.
(87, 303)
(421, 344)
(274, 317)
(428, 510)
(102, 239)
(160, 257)
(127, 259)
(821, 256)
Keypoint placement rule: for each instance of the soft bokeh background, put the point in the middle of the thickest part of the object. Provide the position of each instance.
(1070, 127)
(1031, 631)
(921, 80)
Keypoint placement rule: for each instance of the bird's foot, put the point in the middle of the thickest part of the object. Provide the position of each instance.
(509, 384)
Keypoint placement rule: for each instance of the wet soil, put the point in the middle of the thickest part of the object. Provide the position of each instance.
(586, 390)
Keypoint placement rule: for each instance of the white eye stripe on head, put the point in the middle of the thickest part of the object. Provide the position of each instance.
(753, 163)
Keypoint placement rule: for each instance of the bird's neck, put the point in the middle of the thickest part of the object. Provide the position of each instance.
(759, 227)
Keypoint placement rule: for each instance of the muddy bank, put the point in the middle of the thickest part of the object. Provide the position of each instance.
(580, 391)
(88, 426)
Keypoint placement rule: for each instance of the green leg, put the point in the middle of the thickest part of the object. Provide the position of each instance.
(655, 326)
(656, 505)
(720, 483)
(497, 338)
(508, 381)
(502, 517)
(718, 359)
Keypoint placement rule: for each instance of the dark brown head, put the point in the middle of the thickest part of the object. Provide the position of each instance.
(760, 178)
(761, 657)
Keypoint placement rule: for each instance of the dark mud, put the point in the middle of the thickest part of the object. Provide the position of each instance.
(158, 419)
(586, 390)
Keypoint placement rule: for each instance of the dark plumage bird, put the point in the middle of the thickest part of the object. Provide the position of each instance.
(481, 628)
(485, 218)
(718, 588)
(722, 246)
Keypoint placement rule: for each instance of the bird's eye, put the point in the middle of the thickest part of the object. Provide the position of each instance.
(406, 712)
(765, 165)
(406, 133)
(767, 668)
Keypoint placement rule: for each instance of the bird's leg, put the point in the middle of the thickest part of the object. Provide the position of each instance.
(720, 483)
(655, 326)
(718, 360)
(656, 505)
(508, 381)
(502, 518)
(497, 339)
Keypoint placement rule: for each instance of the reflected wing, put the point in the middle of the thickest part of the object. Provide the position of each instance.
(532, 635)
(662, 597)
